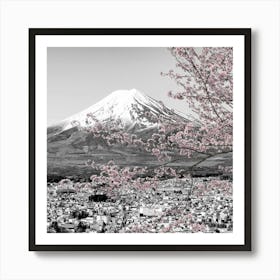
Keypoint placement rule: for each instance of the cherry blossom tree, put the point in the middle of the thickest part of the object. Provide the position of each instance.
(205, 80)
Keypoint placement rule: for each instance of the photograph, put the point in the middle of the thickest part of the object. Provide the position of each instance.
(139, 142)
(135, 161)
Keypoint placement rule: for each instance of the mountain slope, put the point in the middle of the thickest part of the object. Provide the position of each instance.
(126, 107)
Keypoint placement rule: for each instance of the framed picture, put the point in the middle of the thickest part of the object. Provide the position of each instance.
(140, 139)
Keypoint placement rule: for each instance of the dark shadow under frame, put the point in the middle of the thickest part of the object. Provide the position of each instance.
(246, 32)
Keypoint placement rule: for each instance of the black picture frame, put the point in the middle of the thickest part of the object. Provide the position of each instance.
(246, 32)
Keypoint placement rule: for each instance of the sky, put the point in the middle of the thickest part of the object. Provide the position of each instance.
(80, 77)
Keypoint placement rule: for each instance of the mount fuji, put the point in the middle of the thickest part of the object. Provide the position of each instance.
(69, 146)
(126, 107)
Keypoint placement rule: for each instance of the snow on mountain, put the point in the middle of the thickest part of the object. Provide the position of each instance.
(128, 107)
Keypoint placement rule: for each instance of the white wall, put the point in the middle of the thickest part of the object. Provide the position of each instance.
(17, 262)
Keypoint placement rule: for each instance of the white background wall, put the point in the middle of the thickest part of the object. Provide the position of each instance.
(17, 262)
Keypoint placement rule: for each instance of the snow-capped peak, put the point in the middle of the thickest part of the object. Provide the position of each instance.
(124, 106)
(123, 95)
